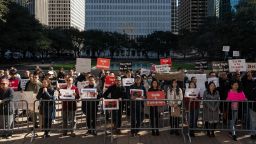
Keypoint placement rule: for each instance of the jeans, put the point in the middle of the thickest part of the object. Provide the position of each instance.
(193, 118)
(233, 121)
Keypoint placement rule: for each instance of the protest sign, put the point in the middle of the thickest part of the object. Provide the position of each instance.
(67, 94)
(164, 61)
(237, 65)
(145, 72)
(220, 66)
(83, 65)
(137, 93)
(81, 85)
(110, 104)
(157, 96)
(103, 63)
(251, 66)
(125, 66)
(201, 65)
(162, 68)
(27, 96)
(192, 92)
(179, 76)
(226, 48)
(201, 79)
(215, 80)
(128, 81)
(236, 53)
(88, 93)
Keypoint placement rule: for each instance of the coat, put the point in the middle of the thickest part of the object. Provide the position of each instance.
(211, 108)
(6, 107)
(46, 106)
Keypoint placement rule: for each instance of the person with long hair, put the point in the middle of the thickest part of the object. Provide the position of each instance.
(154, 112)
(211, 108)
(235, 95)
(175, 95)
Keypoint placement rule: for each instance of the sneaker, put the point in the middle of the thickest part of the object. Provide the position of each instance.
(192, 134)
(94, 133)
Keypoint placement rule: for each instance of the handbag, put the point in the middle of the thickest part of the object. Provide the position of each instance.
(175, 111)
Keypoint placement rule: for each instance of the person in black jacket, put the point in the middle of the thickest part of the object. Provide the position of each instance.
(117, 91)
(90, 108)
(6, 108)
(154, 113)
(46, 107)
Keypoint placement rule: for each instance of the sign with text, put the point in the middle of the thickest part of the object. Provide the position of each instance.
(237, 65)
(251, 66)
(83, 65)
(226, 48)
(110, 104)
(128, 81)
(201, 65)
(236, 53)
(145, 72)
(88, 93)
(220, 66)
(157, 96)
(162, 68)
(103, 63)
(137, 93)
(192, 92)
(164, 61)
(67, 94)
(201, 79)
(125, 66)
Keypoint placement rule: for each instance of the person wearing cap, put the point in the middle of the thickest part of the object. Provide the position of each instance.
(117, 91)
(14, 81)
(137, 107)
(6, 108)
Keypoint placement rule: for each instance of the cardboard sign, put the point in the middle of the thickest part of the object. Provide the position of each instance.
(226, 48)
(125, 66)
(215, 80)
(251, 66)
(201, 65)
(236, 53)
(237, 65)
(137, 93)
(14, 84)
(127, 81)
(88, 93)
(192, 92)
(23, 83)
(157, 96)
(220, 66)
(165, 61)
(201, 79)
(179, 76)
(83, 65)
(145, 72)
(110, 104)
(67, 94)
(27, 96)
(103, 63)
(162, 68)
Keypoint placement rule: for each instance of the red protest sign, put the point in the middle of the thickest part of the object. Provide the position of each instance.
(109, 80)
(157, 96)
(103, 63)
(164, 61)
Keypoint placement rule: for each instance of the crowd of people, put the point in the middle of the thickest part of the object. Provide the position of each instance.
(233, 87)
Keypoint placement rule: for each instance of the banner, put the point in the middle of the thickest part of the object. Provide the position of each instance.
(23, 83)
(192, 92)
(201, 65)
(155, 95)
(88, 93)
(220, 66)
(128, 81)
(179, 76)
(237, 65)
(201, 79)
(103, 63)
(83, 65)
(165, 61)
(162, 68)
(110, 104)
(215, 80)
(145, 72)
(137, 93)
(67, 94)
(251, 66)
(125, 66)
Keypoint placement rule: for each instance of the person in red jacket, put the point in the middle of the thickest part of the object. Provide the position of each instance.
(69, 108)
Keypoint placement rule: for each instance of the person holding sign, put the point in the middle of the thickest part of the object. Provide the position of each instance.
(6, 108)
(154, 113)
(46, 107)
(175, 95)
(90, 108)
(117, 91)
(14, 81)
(69, 108)
(211, 108)
(137, 93)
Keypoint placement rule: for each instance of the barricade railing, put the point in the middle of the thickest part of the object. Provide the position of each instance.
(221, 115)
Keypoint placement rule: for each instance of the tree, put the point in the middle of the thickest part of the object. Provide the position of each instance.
(77, 38)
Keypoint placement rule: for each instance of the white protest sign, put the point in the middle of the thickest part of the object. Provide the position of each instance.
(27, 96)
(144, 72)
(237, 65)
(67, 94)
(23, 83)
(162, 68)
(83, 65)
(89, 93)
(128, 81)
(236, 53)
(226, 48)
(215, 80)
(192, 92)
(251, 66)
(201, 79)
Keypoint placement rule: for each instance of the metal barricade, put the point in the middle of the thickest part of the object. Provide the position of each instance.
(13, 117)
(220, 115)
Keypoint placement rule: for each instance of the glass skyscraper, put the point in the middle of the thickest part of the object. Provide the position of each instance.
(132, 17)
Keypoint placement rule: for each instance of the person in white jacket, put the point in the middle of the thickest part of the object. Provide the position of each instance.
(175, 97)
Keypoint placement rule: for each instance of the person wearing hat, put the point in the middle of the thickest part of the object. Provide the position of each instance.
(137, 107)
(6, 108)
(116, 91)
(14, 81)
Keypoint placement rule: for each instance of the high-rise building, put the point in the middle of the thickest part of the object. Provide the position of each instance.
(192, 14)
(57, 13)
(213, 7)
(132, 17)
